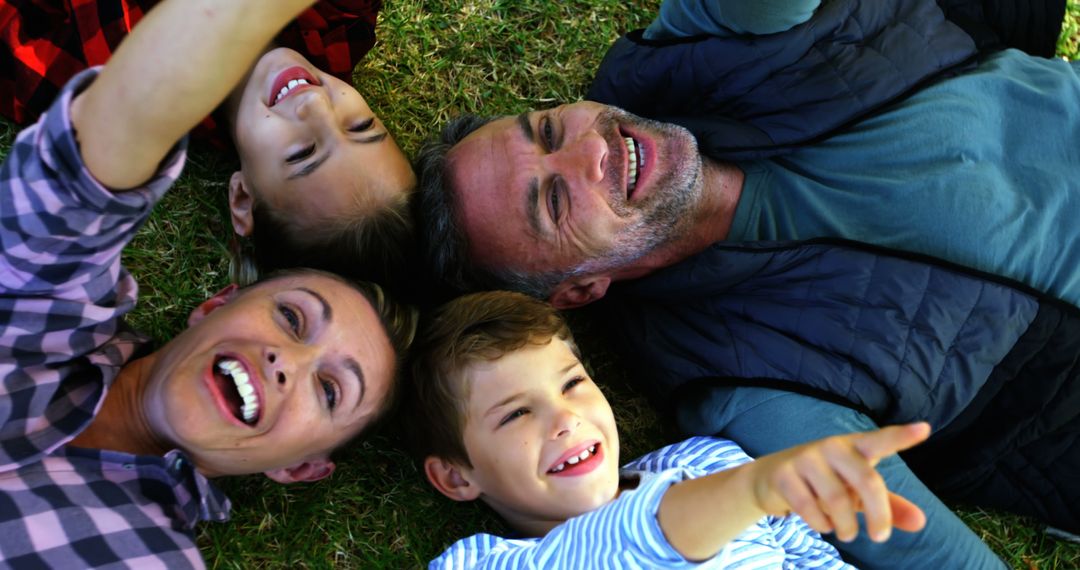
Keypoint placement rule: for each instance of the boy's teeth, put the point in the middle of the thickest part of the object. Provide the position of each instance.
(576, 459)
(240, 378)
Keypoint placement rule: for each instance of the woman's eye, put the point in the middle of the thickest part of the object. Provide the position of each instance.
(572, 382)
(301, 154)
(513, 416)
(330, 389)
(362, 125)
(291, 317)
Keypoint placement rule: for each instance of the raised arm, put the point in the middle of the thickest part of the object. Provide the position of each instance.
(826, 482)
(177, 65)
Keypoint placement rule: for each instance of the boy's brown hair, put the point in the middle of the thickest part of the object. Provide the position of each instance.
(481, 327)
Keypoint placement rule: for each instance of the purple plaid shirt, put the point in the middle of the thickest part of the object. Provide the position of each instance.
(62, 295)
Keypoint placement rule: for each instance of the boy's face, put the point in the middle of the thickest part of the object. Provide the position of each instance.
(540, 435)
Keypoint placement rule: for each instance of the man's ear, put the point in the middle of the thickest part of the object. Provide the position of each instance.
(240, 204)
(206, 307)
(450, 480)
(307, 471)
(579, 291)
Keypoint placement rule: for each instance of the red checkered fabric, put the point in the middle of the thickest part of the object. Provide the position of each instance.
(43, 43)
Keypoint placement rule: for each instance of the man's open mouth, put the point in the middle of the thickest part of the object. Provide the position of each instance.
(635, 163)
(235, 385)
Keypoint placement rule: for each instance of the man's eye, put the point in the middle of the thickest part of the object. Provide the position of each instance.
(548, 133)
(555, 205)
(301, 154)
(330, 389)
(513, 416)
(292, 317)
(362, 125)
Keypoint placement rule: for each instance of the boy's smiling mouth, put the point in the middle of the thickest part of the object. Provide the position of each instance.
(578, 461)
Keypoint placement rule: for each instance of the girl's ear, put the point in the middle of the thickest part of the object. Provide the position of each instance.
(208, 306)
(450, 480)
(240, 204)
(311, 470)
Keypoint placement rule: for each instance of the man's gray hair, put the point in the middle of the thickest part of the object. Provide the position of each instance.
(443, 244)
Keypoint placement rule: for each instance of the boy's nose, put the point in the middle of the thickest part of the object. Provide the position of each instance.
(566, 421)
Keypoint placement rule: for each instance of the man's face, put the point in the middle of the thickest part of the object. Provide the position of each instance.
(309, 145)
(271, 377)
(540, 435)
(579, 186)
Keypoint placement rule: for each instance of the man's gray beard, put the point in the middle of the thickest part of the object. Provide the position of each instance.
(669, 215)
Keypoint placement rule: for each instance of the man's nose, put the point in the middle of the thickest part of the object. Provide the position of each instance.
(581, 159)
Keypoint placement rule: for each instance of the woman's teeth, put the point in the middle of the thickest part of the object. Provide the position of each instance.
(239, 376)
(291, 85)
(585, 454)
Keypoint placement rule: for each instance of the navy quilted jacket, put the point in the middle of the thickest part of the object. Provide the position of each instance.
(991, 364)
(756, 96)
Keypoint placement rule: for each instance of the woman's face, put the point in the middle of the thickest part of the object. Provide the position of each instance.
(310, 147)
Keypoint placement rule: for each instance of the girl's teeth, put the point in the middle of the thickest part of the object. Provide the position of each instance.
(292, 84)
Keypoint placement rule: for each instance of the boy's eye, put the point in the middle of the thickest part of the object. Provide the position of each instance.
(513, 416)
(300, 154)
(572, 382)
(292, 318)
(330, 389)
(362, 125)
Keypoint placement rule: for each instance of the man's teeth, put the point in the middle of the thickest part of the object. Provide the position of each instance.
(633, 160)
(291, 85)
(585, 453)
(235, 370)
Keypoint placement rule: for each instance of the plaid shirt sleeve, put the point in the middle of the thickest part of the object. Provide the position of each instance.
(62, 289)
(44, 43)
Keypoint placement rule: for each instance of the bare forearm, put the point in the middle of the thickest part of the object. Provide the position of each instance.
(699, 516)
(827, 482)
(178, 64)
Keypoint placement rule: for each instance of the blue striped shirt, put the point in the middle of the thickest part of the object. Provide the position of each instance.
(625, 533)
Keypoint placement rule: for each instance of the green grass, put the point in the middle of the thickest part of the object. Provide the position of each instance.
(434, 59)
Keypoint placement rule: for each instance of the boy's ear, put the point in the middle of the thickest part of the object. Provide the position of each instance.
(450, 480)
(240, 204)
(579, 291)
(206, 307)
(307, 471)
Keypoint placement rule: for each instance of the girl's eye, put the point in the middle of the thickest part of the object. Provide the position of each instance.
(330, 389)
(362, 125)
(572, 382)
(548, 133)
(513, 416)
(300, 154)
(291, 317)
